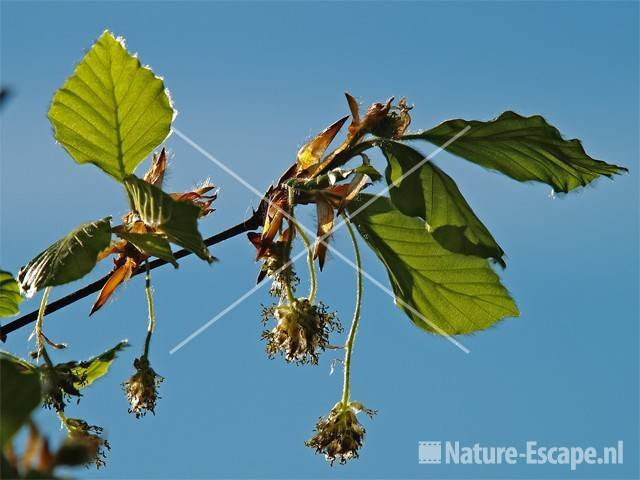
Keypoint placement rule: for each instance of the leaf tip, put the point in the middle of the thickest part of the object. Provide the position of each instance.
(106, 32)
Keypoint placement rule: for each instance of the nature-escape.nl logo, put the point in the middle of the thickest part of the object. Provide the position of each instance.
(432, 452)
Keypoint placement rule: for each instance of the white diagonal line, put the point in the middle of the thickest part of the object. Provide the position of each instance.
(219, 163)
(321, 239)
(234, 304)
(201, 329)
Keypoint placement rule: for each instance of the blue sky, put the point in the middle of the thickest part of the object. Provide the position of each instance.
(252, 82)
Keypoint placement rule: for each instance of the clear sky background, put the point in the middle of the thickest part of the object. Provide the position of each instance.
(252, 82)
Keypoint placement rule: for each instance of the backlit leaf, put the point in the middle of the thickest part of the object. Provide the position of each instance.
(10, 298)
(429, 193)
(442, 292)
(176, 219)
(523, 148)
(69, 259)
(112, 111)
(98, 366)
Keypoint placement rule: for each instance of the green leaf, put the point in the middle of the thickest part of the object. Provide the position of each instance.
(177, 219)
(19, 396)
(112, 111)
(523, 148)
(21, 362)
(97, 367)
(10, 298)
(69, 259)
(429, 193)
(182, 229)
(442, 292)
(151, 244)
(368, 170)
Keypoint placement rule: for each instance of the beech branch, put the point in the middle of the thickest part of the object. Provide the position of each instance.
(252, 223)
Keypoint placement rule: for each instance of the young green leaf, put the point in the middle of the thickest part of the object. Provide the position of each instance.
(441, 291)
(523, 148)
(10, 298)
(112, 111)
(19, 396)
(182, 229)
(151, 244)
(96, 367)
(429, 193)
(69, 259)
(176, 219)
(368, 170)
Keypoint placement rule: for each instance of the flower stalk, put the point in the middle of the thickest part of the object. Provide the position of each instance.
(290, 296)
(142, 386)
(339, 435)
(313, 280)
(356, 315)
(40, 338)
(150, 306)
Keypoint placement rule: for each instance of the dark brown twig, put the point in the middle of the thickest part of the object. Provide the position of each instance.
(252, 223)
